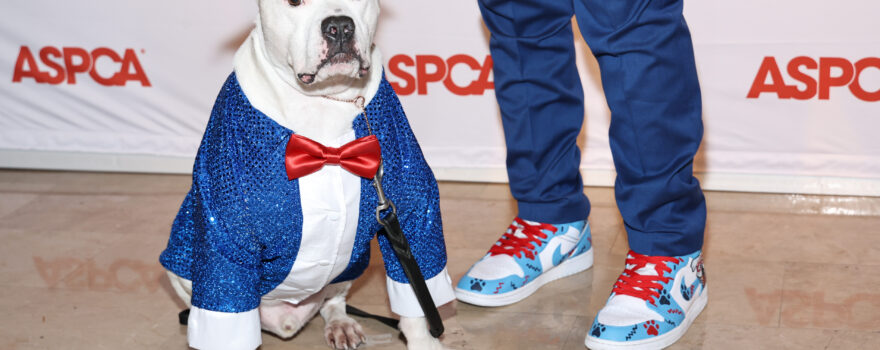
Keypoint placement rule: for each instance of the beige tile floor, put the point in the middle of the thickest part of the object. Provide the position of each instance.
(78, 270)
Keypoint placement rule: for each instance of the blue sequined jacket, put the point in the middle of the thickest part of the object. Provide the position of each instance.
(238, 230)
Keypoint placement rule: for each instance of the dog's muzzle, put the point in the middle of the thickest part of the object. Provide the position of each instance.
(338, 33)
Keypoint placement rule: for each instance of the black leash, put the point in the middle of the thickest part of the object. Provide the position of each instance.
(183, 317)
(388, 321)
(391, 229)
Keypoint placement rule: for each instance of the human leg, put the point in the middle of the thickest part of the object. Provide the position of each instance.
(650, 81)
(646, 59)
(541, 102)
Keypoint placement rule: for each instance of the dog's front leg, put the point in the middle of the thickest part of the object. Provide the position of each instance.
(340, 331)
(415, 329)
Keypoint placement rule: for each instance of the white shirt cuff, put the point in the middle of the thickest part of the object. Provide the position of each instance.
(209, 330)
(403, 299)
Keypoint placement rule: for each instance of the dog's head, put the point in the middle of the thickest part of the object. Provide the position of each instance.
(319, 46)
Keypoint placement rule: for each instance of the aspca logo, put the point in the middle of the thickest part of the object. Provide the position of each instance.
(69, 63)
(815, 78)
(417, 73)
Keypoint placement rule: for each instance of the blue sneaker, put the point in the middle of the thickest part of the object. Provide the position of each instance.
(653, 303)
(527, 256)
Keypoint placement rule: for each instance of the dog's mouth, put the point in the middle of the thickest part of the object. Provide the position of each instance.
(340, 58)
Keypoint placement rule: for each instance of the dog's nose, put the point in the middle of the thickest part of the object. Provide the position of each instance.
(338, 29)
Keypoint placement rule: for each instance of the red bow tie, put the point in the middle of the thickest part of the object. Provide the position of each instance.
(305, 156)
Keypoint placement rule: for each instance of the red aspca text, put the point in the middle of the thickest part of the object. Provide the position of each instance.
(64, 64)
(848, 75)
(441, 71)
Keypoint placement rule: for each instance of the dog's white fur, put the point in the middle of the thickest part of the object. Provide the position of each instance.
(267, 66)
(286, 43)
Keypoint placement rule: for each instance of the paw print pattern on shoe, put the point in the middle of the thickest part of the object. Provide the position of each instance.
(664, 297)
(597, 330)
(651, 326)
(477, 284)
(685, 292)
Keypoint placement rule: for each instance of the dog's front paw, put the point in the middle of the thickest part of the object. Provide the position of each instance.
(344, 333)
(415, 329)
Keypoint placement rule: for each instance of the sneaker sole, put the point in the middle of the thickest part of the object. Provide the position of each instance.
(658, 342)
(567, 268)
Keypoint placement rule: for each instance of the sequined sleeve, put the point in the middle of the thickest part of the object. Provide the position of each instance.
(237, 233)
(225, 270)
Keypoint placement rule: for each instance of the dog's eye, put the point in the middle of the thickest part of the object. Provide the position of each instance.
(295, 2)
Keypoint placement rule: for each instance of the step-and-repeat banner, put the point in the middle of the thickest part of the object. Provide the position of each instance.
(791, 88)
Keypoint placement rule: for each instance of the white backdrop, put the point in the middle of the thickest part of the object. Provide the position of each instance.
(790, 88)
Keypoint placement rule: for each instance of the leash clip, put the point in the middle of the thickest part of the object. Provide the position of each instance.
(384, 202)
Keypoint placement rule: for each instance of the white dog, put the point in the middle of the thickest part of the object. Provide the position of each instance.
(251, 250)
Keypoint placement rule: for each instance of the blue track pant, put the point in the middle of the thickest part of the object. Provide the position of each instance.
(646, 60)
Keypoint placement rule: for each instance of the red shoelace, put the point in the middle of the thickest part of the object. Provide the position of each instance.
(641, 286)
(510, 244)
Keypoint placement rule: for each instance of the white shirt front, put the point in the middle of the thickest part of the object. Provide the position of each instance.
(330, 201)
